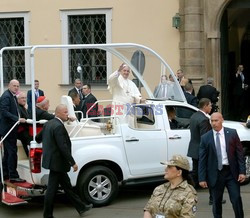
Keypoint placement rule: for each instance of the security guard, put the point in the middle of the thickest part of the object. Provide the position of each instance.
(176, 198)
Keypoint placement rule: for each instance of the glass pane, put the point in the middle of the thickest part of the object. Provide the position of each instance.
(12, 34)
(91, 64)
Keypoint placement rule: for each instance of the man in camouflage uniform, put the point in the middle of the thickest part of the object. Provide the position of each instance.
(176, 198)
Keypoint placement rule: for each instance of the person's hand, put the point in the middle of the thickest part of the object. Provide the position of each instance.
(75, 168)
(121, 67)
(244, 124)
(71, 118)
(22, 120)
(241, 178)
(142, 101)
(203, 184)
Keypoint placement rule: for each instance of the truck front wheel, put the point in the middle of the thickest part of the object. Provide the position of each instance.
(98, 185)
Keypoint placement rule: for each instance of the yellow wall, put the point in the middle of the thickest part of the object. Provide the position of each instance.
(145, 22)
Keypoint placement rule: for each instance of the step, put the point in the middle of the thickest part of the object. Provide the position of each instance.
(9, 199)
(18, 189)
(18, 184)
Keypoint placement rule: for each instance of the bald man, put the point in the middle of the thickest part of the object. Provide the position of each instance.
(222, 164)
(58, 159)
(9, 116)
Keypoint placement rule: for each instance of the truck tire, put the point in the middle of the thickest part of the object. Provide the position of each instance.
(98, 185)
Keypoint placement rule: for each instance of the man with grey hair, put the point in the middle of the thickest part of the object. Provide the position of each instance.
(42, 107)
(23, 129)
(210, 92)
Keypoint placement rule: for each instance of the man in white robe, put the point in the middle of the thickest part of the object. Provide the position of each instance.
(124, 90)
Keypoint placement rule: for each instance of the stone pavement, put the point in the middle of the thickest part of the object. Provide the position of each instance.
(129, 204)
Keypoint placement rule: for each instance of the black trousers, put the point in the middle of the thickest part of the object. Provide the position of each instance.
(25, 138)
(10, 157)
(62, 178)
(226, 179)
(194, 173)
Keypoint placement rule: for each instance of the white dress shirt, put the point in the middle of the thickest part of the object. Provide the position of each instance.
(223, 146)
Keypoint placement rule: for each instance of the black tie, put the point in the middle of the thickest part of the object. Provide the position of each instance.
(80, 94)
(15, 100)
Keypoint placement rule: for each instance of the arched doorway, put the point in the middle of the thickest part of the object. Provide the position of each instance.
(235, 49)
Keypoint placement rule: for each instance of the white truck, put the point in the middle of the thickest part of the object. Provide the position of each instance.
(111, 153)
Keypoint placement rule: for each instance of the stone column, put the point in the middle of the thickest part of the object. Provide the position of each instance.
(191, 43)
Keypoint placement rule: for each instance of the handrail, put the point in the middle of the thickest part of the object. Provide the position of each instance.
(110, 47)
(1, 163)
(1, 60)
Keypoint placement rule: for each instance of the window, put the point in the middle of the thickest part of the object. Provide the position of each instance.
(13, 33)
(87, 27)
(143, 117)
(179, 116)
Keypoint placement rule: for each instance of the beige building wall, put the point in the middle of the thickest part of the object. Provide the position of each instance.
(144, 22)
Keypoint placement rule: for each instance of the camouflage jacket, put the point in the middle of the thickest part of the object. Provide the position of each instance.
(179, 202)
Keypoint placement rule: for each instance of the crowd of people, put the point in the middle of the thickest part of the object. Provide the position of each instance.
(216, 152)
(165, 90)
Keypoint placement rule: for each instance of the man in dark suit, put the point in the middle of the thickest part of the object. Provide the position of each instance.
(210, 92)
(42, 107)
(89, 100)
(191, 99)
(240, 86)
(76, 101)
(9, 116)
(58, 159)
(222, 164)
(183, 80)
(77, 89)
(38, 93)
(199, 125)
(171, 118)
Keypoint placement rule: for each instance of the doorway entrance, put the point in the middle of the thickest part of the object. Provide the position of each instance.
(235, 50)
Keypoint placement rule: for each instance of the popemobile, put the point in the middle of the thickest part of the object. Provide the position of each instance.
(119, 149)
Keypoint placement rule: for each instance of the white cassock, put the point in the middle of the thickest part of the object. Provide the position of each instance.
(124, 91)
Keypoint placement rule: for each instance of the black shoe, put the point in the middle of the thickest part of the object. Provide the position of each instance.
(87, 207)
(17, 180)
(211, 202)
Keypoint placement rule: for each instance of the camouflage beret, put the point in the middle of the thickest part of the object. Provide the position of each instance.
(178, 161)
